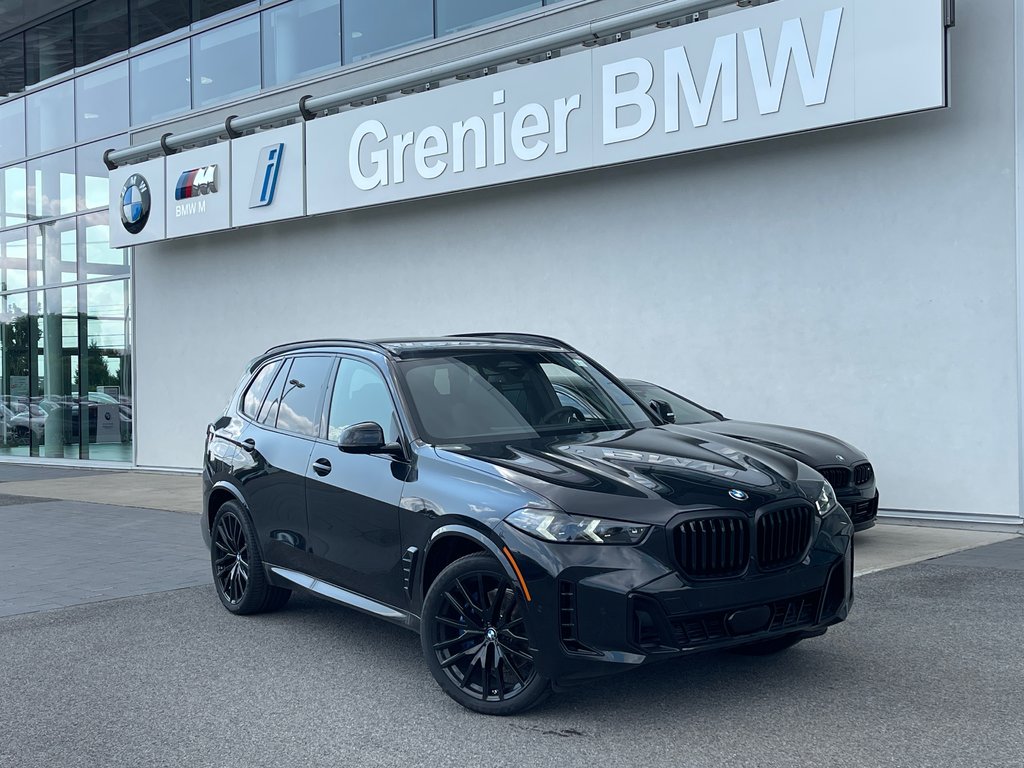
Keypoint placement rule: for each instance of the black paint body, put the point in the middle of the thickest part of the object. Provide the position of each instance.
(380, 527)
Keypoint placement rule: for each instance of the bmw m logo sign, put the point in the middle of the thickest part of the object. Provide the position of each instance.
(196, 182)
(135, 203)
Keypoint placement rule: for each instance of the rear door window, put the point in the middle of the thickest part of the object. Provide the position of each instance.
(258, 388)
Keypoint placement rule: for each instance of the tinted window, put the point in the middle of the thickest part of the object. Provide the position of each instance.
(226, 62)
(12, 65)
(685, 411)
(101, 30)
(153, 18)
(360, 394)
(160, 83)
(101, 102)
(272, 402)
(258, 389)
(12, 130)
(300, 397)
(50, 118)
(455, 15)
(48, 49)
(377, 26)
(479, 396)
(300, 38)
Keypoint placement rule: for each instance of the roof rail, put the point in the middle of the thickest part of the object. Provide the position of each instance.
(296, 345)
(530, 337)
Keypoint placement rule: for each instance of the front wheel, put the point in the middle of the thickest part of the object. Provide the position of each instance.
(473, 634)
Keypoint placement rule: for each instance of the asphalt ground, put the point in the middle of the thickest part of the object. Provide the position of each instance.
(926, 672)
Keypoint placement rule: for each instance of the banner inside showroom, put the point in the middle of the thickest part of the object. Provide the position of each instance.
(773, 70)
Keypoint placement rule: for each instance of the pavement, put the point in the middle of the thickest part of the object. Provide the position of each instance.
(116, 652)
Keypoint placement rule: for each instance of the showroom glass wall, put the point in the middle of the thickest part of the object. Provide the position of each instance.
(71, 87)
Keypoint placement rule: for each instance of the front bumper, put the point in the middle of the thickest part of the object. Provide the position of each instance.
(861, 506)
(598, 610)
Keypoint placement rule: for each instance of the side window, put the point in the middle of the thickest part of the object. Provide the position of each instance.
(272, 402)
(300, 394)
(360, 394)
(258, 389)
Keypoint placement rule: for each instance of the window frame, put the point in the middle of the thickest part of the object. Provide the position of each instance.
(251, 381)
(403, 436)
(289, 360)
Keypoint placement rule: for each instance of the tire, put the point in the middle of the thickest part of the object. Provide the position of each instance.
(767, 647)
(238, 573)
(473, 634)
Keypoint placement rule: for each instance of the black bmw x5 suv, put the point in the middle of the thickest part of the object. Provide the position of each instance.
(440, 484)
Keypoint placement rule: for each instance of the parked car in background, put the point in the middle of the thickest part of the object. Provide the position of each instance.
(443, 485)
(846, 468)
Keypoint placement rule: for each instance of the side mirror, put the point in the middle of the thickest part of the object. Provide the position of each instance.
(664, 410)
(367, 437)
(718, 414)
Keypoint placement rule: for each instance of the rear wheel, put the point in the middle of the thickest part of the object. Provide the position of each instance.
(768, 647)
(238, 574)
(473, 634)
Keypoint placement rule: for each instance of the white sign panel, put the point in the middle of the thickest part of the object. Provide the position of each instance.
(771, 70)
(268, 176)
(198, 190)
(781, 68)
(136, 209)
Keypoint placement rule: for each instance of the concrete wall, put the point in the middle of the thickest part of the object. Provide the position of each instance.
(859, 281)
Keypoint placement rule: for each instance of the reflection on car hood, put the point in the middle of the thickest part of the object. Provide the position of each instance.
(645, 475)
(813, 448)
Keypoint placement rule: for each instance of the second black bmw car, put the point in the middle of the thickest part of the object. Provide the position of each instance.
(442, 485)
(846, 468)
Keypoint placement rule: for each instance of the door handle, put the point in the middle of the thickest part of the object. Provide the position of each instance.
(322, 467)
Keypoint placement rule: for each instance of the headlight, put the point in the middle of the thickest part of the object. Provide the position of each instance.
(826, 500)
(549, 525)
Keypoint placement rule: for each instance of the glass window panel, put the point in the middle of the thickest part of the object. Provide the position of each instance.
(48, 423)
(226, 62)
(12, 65)
(49, 50)
(12, 195)
(257, 391)
(101, 30)
(13, 260)
(360, 394)
(456, 15)
(301, 38)
(301, 395)
(98, 259)
(93, 189)
(17, 333)
(101, 102)
(55, 250)
(51, 185)
(205, 9)
(50, 118)
(105, 376)
(161, 83)
(372, 27)
(151, 19)
(12, 130)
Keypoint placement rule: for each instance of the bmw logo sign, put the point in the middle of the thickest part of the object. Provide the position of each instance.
(135, 203)
(839, 457)
(738, 494)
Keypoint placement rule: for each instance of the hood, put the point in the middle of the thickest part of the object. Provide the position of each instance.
(813, 448)
(645, 475)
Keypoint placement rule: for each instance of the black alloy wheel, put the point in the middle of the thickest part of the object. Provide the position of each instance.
(474, 638)
(237, 565)
(231, 558)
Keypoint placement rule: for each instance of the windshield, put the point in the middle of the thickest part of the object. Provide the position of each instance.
(477, 397)
(685, 411)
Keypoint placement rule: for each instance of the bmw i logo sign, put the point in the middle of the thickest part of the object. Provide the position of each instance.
(738, 494)
(135, 202)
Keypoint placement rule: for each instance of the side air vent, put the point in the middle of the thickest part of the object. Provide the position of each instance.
(567, 627)
(409, 569)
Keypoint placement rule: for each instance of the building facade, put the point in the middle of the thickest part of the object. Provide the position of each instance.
(860, 280)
